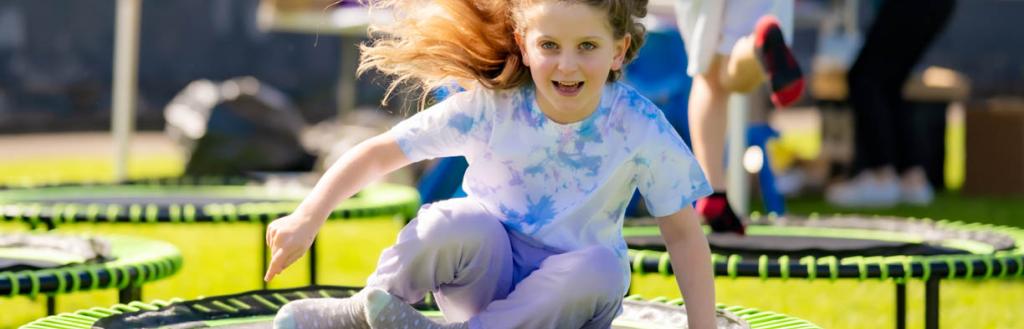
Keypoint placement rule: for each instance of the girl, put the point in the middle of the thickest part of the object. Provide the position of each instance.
(555, 146)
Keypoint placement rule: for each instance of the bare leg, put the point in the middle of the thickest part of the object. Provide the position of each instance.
(707, 114)
(743, 72)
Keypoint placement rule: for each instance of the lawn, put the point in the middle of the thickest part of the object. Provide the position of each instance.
(224, 258)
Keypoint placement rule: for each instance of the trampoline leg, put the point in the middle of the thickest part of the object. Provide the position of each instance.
(931, 303)
(129, 294)
(312, 263)
(51, 305)
(263, 255)
(901, 305)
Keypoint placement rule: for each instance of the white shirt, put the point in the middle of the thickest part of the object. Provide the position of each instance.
(564, 185)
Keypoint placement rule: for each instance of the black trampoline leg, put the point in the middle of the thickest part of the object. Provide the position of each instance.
(263, 255)
(312, 263)
(51, 305)
(901, 305)
(931, 303)
(129, 294)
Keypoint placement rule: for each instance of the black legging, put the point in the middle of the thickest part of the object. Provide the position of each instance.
(898, 38)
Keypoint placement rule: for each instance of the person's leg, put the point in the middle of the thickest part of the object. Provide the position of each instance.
(576, 289)
(707, 114)
(890, 51)
(758, 52)
(453, 248)
(919, 23)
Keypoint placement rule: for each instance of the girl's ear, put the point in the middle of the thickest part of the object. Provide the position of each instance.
(620, 52)
(522, 49)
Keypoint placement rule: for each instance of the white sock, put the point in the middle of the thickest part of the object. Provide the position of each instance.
(383, 311)
(324, 313)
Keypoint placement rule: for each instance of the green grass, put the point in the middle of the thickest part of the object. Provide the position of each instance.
(74, 169)
(224, 258)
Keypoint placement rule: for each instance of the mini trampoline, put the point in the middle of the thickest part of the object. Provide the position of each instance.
(255, 310)
(192, 200)
(52, 264)
(846, 246)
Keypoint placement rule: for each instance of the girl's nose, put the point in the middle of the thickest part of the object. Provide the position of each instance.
(567, 63)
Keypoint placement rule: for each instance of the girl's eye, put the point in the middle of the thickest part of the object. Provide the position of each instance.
(548, 45)
(588, 46)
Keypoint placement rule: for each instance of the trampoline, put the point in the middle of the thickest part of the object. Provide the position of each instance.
(855, 247)
(255, 310)
(192, 200)
(52, 264)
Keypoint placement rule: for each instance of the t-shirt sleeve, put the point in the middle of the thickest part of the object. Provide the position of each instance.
(669, 177)
(452, 127)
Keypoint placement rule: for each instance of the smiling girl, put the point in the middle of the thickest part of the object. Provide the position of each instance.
(556, 147)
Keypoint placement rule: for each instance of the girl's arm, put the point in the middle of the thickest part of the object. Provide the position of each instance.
(691, 261)
(289, 237)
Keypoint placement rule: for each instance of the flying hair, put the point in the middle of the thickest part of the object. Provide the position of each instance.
(430, 43)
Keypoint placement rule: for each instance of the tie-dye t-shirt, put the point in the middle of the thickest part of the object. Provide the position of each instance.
(564, 185)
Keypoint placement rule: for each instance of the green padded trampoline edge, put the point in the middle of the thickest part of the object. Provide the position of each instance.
(84, 319)
(376, 200)
(984, 263)
(151, 260)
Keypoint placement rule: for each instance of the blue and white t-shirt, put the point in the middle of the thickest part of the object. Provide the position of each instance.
(564, 185)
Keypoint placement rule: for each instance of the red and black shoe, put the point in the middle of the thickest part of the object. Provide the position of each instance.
(784, 75)
(719, 215)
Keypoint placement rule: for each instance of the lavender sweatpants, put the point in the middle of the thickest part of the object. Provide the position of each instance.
(497, 278)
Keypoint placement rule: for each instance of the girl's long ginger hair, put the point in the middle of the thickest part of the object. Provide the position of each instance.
(432, 42)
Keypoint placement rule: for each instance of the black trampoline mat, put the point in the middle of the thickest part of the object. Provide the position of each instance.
(799, 246)
(266, 322)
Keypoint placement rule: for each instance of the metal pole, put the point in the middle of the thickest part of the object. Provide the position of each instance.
(901, 305)
(931, 303)
(51, 305)
(737, 184)
(312, 263)
(264, 255)
(126, 60)
(129, 294)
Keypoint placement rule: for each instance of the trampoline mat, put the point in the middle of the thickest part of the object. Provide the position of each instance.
(34, 251)
(635, 315)
(255, 310)
(799, 246)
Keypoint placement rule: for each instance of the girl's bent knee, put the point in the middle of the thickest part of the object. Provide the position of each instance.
(457, 219)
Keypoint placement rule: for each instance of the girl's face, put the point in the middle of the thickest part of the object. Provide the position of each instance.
(570, 50)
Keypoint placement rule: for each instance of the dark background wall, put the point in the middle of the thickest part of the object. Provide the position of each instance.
(56, 60)
(56, 57)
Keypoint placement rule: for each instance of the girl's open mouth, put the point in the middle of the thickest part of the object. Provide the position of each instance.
(568, 89)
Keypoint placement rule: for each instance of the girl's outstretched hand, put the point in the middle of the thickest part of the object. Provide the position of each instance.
(288, 238)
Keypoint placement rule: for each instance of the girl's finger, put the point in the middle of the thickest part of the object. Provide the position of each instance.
(275, 264)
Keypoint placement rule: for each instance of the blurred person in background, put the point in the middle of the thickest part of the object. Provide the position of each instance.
(732, 46)
(889, 170)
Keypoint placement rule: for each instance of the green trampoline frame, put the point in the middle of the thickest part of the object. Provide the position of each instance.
(980, 263)
(40, 207)
(261, 303)
(136, 262)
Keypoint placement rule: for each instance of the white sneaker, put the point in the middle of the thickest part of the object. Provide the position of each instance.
(915, 189)
(865, 190)
(921, 195)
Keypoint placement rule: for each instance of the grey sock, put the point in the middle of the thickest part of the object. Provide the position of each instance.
(323, 313)
(383, 311)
